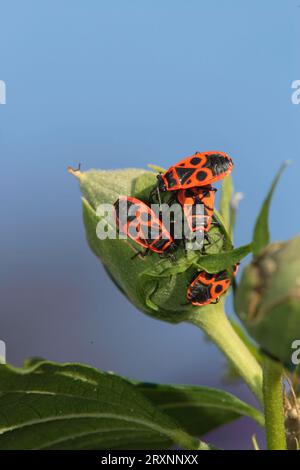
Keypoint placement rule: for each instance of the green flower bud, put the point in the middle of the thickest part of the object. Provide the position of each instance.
(268, 299)
(155, 285)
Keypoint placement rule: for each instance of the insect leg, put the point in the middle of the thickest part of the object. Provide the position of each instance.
(158, 196)
(141, 254)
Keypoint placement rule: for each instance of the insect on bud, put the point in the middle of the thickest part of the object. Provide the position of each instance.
(157, 283)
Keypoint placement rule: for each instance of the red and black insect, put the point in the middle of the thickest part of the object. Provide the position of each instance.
(142, 225)
(200, 169)
(189, 199)
(207, 288)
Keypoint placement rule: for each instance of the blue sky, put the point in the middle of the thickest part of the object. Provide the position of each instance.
(126, 83)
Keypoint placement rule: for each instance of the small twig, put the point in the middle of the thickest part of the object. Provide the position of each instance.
(254, 442)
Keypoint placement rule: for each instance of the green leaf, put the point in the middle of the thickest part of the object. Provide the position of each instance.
(261, 235)
(198, 409)
(225, 202)
(215, 263)
(72, 406)
(227, 240)
(156, 168)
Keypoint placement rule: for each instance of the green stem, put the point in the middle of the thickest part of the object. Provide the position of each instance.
(273, 404)
(218, 328)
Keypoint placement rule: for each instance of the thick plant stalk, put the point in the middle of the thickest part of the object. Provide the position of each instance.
(218, 328)
(273, 404)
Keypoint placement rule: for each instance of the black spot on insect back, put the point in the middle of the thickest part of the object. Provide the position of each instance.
(218, 288)
(195, 161)
(201, 175)
(184, 174)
